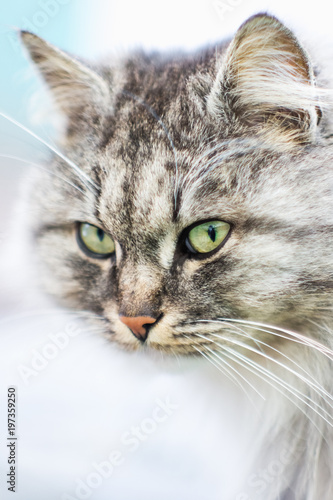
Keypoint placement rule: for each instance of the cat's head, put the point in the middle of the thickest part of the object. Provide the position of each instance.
(197, 190)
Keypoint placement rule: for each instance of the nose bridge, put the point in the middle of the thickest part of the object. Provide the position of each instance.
(139, 289)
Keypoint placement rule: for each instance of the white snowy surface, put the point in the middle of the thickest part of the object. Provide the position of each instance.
(80, 399)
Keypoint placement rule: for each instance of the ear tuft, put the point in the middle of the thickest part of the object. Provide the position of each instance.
(267, 83)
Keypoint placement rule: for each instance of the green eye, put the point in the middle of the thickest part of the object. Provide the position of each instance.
(94, 241)
(206, 237)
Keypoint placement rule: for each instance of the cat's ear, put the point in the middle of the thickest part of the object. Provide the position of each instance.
(78, 92)
(266, 83)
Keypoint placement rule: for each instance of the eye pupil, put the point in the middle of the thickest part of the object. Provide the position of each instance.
(212, 233)
(100, 234)
(94, 241)
(206, 237)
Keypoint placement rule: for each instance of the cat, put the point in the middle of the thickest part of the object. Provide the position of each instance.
(188, 212)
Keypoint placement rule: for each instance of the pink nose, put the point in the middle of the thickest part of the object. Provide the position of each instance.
(137, 325)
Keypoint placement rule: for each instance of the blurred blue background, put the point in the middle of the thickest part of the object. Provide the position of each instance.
(52, 20)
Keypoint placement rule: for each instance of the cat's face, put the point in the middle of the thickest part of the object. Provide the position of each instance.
(201, 203)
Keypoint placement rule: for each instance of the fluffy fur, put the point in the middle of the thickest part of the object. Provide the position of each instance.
(159, 143)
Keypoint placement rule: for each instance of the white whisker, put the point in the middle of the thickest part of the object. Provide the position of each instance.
(297, 393)
(226, 368)
(51, 312)
(82, 175)
(316, 388)
(222, 363)
(289, 335)
(238, 374)
(311, 382)
(37, 165)
(220, 367)
(269, 379)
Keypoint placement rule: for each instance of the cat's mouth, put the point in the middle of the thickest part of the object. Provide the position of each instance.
(179, 337)
(232, 339)
(227, 343)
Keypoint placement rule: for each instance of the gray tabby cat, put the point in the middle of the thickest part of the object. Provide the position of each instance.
(191, 211)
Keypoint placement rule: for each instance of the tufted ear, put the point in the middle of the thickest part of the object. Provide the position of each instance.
(78, 92)
(266, 83)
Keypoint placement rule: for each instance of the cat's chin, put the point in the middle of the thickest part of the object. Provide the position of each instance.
(160, 350)
(155, 350)
(158, 346)
(166, 359)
